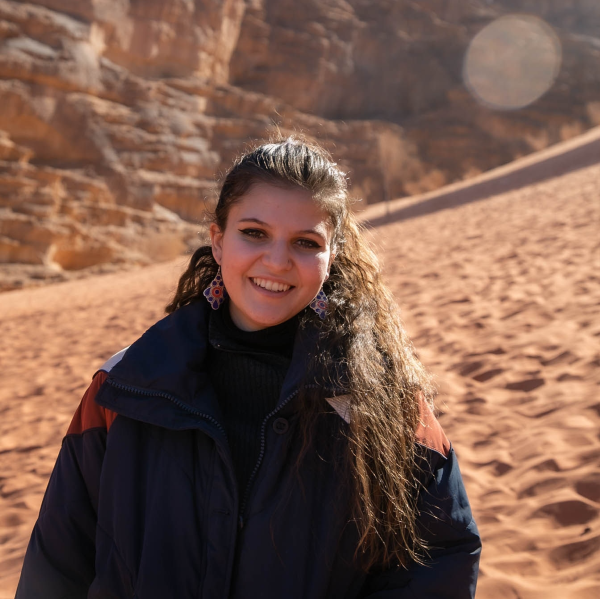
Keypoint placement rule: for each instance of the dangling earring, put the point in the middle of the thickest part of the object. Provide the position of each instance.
(216, 293)
(320, 303)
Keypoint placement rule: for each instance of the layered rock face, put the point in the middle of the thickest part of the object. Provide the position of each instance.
(402, 62)
(116, 115)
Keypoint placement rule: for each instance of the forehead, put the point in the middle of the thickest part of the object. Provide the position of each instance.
(290, 208)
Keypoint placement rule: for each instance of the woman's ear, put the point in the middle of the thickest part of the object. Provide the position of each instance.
(216, 240)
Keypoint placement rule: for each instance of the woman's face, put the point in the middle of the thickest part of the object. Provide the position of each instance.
(275, 254)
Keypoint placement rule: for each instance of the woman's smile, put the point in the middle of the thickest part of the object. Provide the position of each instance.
(270, 285)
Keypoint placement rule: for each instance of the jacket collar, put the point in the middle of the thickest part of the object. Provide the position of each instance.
(161, 378)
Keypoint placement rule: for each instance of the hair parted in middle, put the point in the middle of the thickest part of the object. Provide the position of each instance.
(362, 331)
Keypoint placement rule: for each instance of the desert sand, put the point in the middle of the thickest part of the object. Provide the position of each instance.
(502, 299)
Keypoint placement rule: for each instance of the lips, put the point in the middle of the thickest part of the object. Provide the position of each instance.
(271, 286)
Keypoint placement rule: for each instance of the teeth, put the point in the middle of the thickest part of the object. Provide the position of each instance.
(272, 286)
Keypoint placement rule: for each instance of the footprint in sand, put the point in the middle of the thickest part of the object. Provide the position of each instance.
(543, 487)
(12, 518)
(536, 412)
(526, 385)
(566, 356)
(595, 408)
(498, 467)
(477, 406)
(568, 512)
(575, 553)
(461, 300)
(498, 350)
(487, 375)
(589, 488)
(467, 368)
(569, 377)
(547, 465)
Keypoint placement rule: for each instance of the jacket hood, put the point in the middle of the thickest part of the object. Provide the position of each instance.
(162, 379)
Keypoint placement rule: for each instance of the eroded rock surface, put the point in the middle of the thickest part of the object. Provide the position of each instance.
(402, 62)
(117, 115)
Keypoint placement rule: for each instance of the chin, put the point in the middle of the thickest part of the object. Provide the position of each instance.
(269, 318)
(273, 320)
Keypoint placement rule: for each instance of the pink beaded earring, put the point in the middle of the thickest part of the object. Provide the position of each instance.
(216, 293)
(319, 304)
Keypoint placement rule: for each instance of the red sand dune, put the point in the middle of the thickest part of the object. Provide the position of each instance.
(501, 297)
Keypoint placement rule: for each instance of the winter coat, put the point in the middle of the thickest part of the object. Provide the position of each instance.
(143, 502)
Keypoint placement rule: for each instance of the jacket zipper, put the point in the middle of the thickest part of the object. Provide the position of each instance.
(173, 399)
(182, 405)
(261, 455)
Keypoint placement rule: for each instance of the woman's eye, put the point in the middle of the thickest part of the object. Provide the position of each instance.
(305, 243)
(253, 233)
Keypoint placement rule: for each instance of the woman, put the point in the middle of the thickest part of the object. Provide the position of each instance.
(272, 436)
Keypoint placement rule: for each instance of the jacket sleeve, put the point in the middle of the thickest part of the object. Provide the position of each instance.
(59, 562)
(445, 524)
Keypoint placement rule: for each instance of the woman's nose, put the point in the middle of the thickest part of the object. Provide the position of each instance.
(277, 257)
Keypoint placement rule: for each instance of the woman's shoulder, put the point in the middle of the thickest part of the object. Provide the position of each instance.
(176, 337)
(90, 416)
(429, 432)
(114, 360)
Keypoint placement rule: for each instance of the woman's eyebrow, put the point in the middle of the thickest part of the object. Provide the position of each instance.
(254, 220)
(259, 222)
(313, 232)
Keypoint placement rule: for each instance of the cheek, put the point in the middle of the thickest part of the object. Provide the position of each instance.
(316, 269)
(236, 256)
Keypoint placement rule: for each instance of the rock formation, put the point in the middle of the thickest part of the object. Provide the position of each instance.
(402, 62)
(116, 115)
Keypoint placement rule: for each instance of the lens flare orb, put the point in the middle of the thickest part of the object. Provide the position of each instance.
(512, 62)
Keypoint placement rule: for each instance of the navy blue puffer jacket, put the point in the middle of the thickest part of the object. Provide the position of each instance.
(143, 502)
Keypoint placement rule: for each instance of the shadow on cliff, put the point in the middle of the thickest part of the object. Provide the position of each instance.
(581, 156)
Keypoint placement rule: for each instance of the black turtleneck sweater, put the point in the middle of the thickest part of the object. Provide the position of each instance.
(247, 369)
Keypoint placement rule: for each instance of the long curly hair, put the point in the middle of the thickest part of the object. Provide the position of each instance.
(362, 333)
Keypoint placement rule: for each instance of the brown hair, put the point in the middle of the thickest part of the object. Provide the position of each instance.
(362, 331)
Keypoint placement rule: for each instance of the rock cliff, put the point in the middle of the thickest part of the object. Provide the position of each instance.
(402, 62)
(116, 115)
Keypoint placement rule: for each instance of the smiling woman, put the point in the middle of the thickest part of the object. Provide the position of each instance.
(275, 254)
(277, 441)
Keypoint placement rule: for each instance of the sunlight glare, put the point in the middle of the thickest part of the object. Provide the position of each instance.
(512, 62)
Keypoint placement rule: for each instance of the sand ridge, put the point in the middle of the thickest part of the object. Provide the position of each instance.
(501, 298)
